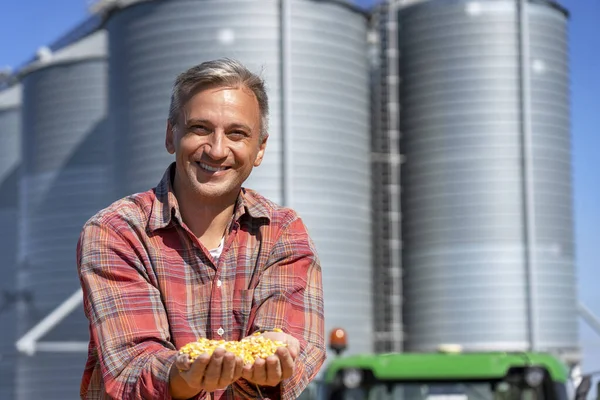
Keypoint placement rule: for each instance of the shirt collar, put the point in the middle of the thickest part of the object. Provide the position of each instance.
(165, 209)
(248, 203)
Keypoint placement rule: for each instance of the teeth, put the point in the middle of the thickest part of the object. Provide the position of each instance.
(209, 168)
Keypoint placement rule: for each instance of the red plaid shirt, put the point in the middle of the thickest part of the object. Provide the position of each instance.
(150, 287)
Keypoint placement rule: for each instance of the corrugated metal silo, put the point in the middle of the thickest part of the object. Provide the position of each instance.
(312, 51)
(330, 181)
(467, 196)
(10, 161)
(146, 56)
(65, 181)
(551, 188)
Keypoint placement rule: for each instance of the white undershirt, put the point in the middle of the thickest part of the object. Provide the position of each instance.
(216, 253)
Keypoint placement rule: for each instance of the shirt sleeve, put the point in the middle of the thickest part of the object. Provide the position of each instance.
(289, 296)
(128, 322)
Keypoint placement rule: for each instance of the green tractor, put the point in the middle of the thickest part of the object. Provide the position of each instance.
(447, 375)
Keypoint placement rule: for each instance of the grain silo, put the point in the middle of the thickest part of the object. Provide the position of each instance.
(10, 161)
(65, 181)
(487, 209)
(315, 63)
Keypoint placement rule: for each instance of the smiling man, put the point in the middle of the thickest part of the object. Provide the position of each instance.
(201, 256)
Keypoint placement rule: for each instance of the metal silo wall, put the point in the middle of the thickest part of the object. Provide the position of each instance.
(329, 118)
(66, 181)
(555, 282)
(147, 53)
(331, 166)
(463, 199)
(10, 161)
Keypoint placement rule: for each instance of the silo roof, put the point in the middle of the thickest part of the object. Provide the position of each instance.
(550, 3)
(89, 47)
(10, 97)
(105, 7)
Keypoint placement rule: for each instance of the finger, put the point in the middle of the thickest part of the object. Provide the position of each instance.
(273, 367)
(239, 367)
(294, 348)
(287, 362)
(199, 365)
(247, 372)
(194, 374)
(213, 370)
(227, 370)
(259, 372)
(183, 362)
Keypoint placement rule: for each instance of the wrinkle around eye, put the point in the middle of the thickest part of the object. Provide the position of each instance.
(237, 135)
(199, 129)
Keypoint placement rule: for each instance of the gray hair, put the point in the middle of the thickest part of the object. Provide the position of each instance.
(222, 72)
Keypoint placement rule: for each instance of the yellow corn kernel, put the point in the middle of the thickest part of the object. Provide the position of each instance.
(248, 349)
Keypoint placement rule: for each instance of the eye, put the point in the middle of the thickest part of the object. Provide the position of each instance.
(199, 129)
(237, 135)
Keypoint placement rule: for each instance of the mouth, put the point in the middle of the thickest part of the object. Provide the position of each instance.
(210, 168)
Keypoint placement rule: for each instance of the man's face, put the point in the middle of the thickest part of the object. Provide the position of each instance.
(217, 142)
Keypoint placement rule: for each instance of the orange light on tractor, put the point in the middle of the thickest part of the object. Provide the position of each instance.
(338, 340)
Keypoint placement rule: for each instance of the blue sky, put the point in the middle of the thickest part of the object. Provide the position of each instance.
(26, 25)
(585, 102)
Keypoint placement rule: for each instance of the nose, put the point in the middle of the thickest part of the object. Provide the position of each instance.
(216, 148)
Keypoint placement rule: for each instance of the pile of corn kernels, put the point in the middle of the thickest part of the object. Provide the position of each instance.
(248, 349)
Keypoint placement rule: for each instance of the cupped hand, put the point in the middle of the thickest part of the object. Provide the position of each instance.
(276, 368)
(210, 372)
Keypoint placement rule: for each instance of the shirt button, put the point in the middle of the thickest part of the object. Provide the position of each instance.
(219, 283)
(220, 331)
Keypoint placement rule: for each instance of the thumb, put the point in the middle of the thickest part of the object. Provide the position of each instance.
(293, 346)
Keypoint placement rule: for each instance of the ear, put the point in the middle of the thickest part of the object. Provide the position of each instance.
(261, 152)
(170, 138)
